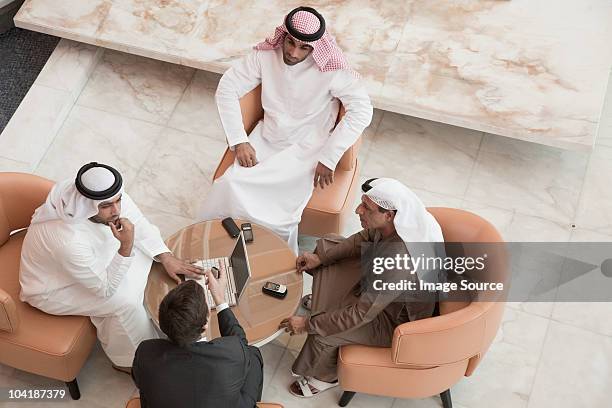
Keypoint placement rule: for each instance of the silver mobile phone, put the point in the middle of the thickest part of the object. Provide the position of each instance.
(247, 232)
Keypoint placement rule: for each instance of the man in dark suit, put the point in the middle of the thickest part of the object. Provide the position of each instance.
(188, 370)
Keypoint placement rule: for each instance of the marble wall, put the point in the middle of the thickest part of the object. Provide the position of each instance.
(157, 123)
(533, 70)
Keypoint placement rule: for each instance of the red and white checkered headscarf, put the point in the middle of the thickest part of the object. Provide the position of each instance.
(326, 53)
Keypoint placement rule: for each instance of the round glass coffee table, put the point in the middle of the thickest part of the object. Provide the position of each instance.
(270, 259)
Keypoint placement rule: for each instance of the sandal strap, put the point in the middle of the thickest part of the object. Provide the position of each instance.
(303, 383)
(321, 385)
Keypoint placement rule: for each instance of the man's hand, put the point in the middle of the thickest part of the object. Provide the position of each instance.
(175, 266)
(323, 176)
(245, 154)
(295, 325)
(217, 286)
(123, 230)
(307, 261)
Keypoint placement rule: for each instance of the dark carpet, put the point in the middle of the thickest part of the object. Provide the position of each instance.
(23, 54)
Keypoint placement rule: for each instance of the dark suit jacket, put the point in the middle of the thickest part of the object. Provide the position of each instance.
(224, 372)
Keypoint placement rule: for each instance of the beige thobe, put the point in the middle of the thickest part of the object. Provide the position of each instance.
(344, 313)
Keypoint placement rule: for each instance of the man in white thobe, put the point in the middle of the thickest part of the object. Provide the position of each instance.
(304, 76)
(88, 251)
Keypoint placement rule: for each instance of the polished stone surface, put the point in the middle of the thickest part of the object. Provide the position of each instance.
(574, 369)
(144, 89)
(530, 70)
(165, 137)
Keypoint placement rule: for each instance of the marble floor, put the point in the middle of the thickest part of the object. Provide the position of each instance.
(534, 70)
(157, 123)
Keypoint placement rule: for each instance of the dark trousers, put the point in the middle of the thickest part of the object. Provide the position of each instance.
(253, 386)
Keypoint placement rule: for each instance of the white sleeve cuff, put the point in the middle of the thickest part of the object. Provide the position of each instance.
(156, 257)
(123, 259)
(236, 141)
(115, 271)
(222, 307)
(329, 164)
(153, 246)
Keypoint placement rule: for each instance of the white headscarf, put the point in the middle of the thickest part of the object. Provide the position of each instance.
(414, 224)
(412, 221)
(66, 203)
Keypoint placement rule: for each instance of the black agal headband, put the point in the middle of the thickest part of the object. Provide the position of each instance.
(367, 185)
(302, 36)
(98, 195)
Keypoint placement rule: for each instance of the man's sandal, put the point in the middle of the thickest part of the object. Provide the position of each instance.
(307, 387)
(307, 302)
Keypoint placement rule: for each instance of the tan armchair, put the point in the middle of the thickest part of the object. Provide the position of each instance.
(329, 208)
(428, 356)
(30, 340)
(135, 403)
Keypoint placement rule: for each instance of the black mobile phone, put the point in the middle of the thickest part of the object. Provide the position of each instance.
(275, 290)
(231, 227)
(247, 232)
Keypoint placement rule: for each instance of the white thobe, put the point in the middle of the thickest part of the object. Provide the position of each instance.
(75, 269)
(300, 109)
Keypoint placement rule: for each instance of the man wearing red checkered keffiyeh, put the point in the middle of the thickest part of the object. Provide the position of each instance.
(308, 28)
(304, 77)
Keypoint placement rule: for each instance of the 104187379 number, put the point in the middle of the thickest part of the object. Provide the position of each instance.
(35, 394)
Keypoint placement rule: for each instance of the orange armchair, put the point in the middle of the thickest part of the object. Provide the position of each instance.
(135, 403)
(30, 340)
(428, 356)
(329, 208)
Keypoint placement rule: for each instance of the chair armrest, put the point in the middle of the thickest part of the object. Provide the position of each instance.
(443, 339)
(228, 158)
(9, 319)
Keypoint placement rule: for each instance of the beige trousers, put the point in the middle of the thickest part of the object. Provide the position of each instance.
(333, 288)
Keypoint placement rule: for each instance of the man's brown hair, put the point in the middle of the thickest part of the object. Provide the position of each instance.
(183, 313)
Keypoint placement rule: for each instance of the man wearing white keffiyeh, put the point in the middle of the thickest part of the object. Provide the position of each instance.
(344, 309)
(88, 252)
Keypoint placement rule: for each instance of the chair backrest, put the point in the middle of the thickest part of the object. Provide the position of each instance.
(252, 112)
(135, 403)
(469, 235)
(470, 327)
(20, 195)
